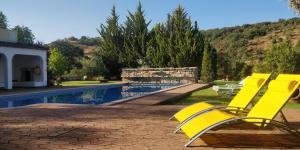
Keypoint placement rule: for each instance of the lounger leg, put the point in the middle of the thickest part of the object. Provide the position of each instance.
(272, 122)
(172, 117)
(284, 118)
(178, 128)
(190, 141)
(286, 127)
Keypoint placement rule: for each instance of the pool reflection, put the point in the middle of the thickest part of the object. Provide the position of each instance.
(91, 96)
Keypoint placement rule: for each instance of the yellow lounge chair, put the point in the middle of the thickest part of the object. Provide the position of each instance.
(239, 103)
(262, 114)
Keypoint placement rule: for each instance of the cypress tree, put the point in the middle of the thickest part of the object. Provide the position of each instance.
(136, 37)
(111, 44)
(208, 71)
(214, 57)
(185, 42)
(157, 55)
(176, 43)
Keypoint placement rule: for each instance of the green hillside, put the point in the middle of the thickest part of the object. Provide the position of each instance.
(245, 46)
(249, 40)
(240, 49)
(87, 44)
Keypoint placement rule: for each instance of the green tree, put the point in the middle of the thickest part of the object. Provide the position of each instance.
(185, 42)
(136, 38)
(25, 35)
(84, 40)
(282, 58)
(223, 65)
(208, 71)
(177, 43)
(157, 54)
(72, 53)
(111, 45)
(3, 21)
(214, 62)
(240, 48)
(93, 66)
(297, 47)
(57, 64)
(295, 4)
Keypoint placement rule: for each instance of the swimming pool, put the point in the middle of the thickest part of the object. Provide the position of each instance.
(86, 95)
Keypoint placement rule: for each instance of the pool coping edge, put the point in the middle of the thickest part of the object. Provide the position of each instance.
(137, 97)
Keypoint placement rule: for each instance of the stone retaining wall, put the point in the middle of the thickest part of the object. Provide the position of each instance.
(160, 75)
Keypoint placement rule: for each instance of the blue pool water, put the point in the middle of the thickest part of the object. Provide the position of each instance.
(87, 95)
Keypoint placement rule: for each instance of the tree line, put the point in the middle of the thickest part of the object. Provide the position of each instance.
(25, 35)
(177, 42)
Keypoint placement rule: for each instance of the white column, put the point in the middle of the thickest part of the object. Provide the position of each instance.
(8, 73)
(45, 70)
(10, 104)
(45, 99)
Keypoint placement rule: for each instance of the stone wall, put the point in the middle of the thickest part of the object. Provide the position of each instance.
(161, 75)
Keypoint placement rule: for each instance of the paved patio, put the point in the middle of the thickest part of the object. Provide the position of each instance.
(124, 126)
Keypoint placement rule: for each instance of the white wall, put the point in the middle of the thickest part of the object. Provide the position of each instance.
(10, 52)
(2, 68)
(8, 36)
(24, 61)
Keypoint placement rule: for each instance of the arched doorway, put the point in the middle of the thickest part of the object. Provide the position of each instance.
(3, 64)
(27, 71)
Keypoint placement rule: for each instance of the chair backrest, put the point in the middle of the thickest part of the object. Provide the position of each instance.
(296, 95)
(243, 81)
(274, 99)
(288, 77)
(251, 87)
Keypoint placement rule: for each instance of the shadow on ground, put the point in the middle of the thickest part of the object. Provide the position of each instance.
(68, 126)
(255, 141)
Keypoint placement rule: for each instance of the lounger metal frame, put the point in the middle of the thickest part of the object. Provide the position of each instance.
(274, 123)
(220, 107)
(280, 125)
(224, 108)
(216, 107)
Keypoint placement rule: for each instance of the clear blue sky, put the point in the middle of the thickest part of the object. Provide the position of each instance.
(58, 19)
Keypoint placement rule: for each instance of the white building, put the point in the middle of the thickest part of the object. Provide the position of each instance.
(21, 65)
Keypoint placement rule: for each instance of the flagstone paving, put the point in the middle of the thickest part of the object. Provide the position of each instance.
(130, 126)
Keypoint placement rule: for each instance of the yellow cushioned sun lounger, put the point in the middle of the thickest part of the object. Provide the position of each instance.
(252, 86)
(262, 114)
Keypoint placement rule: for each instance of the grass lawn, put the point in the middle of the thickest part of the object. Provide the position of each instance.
(204, 95)
(87, 83)
(210, 95)
(222, 82)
